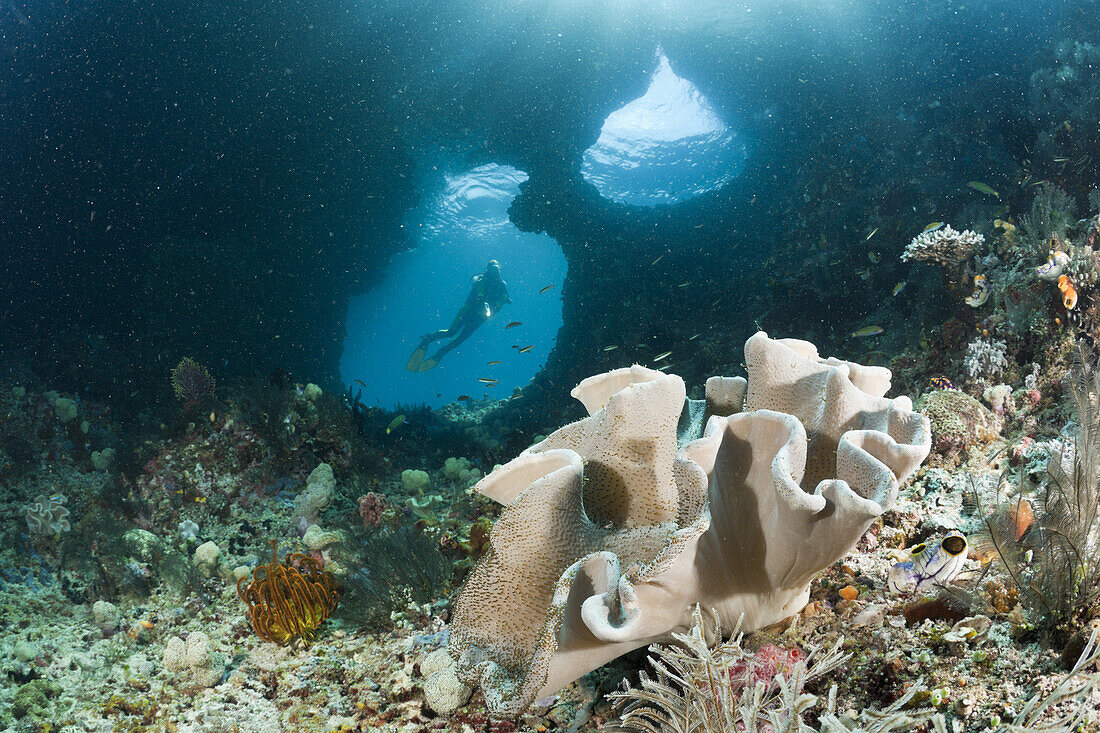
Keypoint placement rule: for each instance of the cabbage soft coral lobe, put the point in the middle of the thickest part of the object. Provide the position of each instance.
(613, 530)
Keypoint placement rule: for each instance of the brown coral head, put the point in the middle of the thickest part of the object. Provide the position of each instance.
(290, 599)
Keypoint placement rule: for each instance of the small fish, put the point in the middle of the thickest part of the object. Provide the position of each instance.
(360, 382)
(612, 347)
(684, 285)
(982, 188)
(486, 380)
(874, 257)
(933, 226)
(546, 289)
(863, 272)
(664, 367)
(395, 423)
(1061, 159)
(662, 357)
(493, 362)
(871, 234)
(929, 565)
(200, 499)
(897, 288)
(866, 331)
(463, 397)
(692, 338)
(659, 257)
(525, 349)
(513, 324)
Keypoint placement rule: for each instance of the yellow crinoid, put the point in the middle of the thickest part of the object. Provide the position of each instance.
(290, 599)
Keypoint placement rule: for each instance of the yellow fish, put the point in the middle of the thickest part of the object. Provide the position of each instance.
(983, 188)
(898, 288)
(866, 331)
(933, 226)
(396, 422)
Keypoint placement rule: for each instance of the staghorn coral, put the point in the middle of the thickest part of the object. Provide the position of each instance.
(614, 529)
(946, 246)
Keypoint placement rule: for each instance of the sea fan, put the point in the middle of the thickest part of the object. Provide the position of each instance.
(191, 381)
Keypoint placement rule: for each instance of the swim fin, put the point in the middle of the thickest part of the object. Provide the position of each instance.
(417, 359)
(427, 364)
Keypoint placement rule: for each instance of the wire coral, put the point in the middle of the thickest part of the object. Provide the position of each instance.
(1056, 562)
(381, 580)
(288, 600)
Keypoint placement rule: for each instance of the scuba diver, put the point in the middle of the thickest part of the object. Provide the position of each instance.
(488, 294)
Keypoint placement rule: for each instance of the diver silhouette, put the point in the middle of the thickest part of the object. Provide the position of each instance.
(488, 294)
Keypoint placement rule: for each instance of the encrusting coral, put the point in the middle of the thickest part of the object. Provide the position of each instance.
(616, 526)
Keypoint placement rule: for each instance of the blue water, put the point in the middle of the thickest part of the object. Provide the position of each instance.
(457, 231)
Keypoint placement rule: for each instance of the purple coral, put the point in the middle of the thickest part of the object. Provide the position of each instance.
(192, 381)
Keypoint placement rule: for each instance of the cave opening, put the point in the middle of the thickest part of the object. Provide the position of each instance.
(458, 230)
(667, 146)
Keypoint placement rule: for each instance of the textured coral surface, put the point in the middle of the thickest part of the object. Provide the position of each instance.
(612, 532)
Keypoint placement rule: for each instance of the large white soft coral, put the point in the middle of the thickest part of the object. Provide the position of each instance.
(614, 529)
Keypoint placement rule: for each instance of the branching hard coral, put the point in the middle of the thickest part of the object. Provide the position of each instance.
(946, 246)
(288, 600)
(985, 358)
(707, 687)
(1056, 563)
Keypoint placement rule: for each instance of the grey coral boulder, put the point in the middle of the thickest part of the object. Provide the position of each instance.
(613, 531)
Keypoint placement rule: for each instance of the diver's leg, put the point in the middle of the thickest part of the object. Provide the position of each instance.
(462, 336)
(436, 335)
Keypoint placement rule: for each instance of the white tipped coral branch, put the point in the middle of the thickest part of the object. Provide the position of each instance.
(946, 246)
